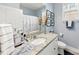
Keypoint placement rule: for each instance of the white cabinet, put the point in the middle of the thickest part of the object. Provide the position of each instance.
(51, 49)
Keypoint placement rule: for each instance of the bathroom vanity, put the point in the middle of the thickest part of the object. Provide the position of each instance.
(43, 44)
(50, 47)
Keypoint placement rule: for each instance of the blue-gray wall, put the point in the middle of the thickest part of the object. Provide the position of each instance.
(71, 37)
(39, 11)
(27, 11)
(47, 6)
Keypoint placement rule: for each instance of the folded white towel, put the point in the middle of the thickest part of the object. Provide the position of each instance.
(5, 30)
(6, 39)
(6, 45)
(8, 51)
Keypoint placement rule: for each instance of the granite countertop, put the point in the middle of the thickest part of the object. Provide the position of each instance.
(49, 38)
(36, 49)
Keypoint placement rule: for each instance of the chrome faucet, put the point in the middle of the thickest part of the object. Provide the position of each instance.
(23, 36)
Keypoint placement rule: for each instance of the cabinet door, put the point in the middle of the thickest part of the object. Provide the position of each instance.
(51, 49)
(55, 47)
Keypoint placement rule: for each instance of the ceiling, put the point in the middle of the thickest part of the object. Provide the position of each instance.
(33, 6)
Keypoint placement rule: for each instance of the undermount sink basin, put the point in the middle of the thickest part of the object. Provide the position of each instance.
(38, 41)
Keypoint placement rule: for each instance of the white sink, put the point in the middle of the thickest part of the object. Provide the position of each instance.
(38, 41)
